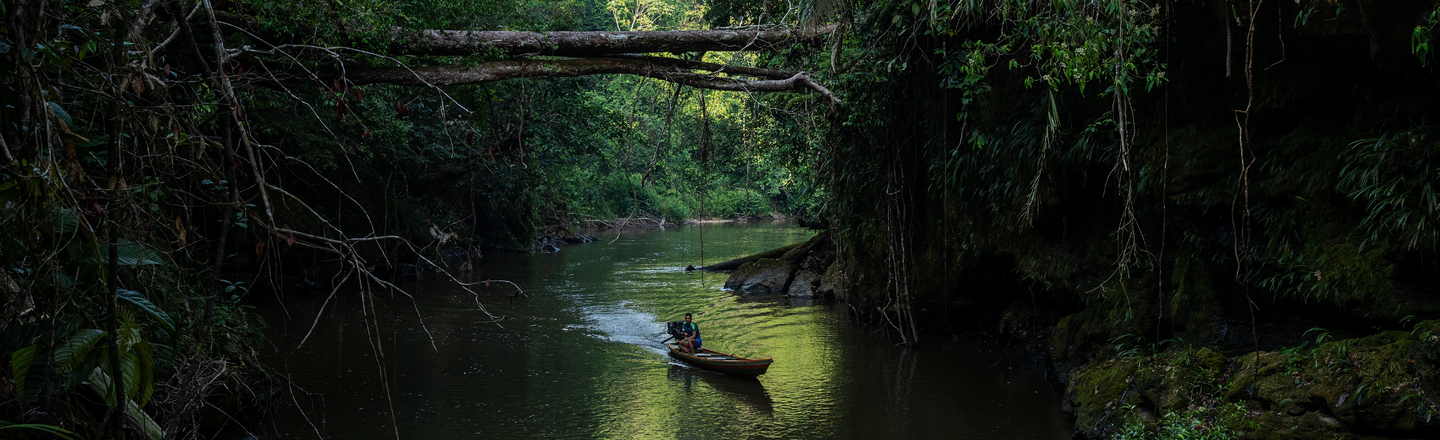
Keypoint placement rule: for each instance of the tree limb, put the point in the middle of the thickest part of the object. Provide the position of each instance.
(451, 42)
(511, 69)
(713, 67)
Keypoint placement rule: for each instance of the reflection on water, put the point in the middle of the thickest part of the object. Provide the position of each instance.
(744, 390)
(581, 358)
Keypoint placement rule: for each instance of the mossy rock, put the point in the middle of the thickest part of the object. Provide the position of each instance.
(1383, 383)
(1160, 381)
(803, 285)
(1096, 393)
(1061, 337)
(1079, 336)
(832, 283)
(765, 276)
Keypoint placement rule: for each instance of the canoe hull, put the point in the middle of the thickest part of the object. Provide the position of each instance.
(716, 361)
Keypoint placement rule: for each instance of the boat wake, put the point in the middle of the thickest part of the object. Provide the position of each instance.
(619, 323)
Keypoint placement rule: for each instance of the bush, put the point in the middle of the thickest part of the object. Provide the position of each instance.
(735, 201)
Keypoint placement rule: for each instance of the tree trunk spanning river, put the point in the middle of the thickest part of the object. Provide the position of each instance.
(581, 357)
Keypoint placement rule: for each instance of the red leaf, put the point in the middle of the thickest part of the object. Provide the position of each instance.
(259, 250)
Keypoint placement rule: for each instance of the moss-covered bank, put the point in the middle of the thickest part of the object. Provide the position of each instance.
(1384, 385)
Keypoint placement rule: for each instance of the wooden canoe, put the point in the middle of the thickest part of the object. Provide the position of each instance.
(722, 362)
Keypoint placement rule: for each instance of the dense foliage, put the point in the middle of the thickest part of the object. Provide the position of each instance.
(1152, 172)
(162, 159)
(1170, 173)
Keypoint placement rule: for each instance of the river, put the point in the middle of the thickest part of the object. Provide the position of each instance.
(579, 356)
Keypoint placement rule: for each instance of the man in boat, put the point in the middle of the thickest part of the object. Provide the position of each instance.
(690, 336)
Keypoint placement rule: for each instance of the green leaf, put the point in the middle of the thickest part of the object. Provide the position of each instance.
(145, 363)
(130, 371)
(71, 353)
(100, 383)
(65, 222)
(130, 253)
(20, 362)
(17, 336)
(129, 332)
(138, 300)
(49, 429)
(152, 430)
(61, 114)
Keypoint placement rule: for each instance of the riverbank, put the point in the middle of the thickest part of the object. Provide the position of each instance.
(646, 222)
(1287, 376)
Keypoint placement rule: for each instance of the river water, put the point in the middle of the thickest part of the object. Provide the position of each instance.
(579, 356)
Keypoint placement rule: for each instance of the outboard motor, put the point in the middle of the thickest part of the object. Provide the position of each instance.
(673, 328)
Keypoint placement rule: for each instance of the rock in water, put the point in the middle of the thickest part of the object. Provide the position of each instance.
(803, 286)
(764, 276)
(832, 284)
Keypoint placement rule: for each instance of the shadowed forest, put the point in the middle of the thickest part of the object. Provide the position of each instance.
(1203, 218)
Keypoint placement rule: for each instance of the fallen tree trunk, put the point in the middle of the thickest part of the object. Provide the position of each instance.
(730, 265)
(511, 69)
(589, 44)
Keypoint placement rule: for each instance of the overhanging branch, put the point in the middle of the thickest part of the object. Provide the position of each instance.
(590, 44)
(713, 67)
(512, 69)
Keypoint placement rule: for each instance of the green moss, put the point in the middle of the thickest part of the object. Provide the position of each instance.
(1096, 392)
(1385, 382)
